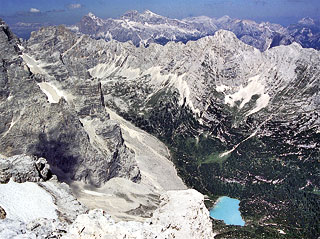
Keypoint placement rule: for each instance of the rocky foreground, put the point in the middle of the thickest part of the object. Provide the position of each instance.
(35, 205)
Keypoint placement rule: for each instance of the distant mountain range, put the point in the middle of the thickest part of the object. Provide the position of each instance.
(148, 27)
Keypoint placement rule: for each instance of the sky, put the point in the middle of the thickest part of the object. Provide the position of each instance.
(71, 11)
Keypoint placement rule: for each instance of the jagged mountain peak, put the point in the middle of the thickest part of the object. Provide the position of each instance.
(131, 13)
(227, 39)
(225, 34)
(148, 12)
(146, 16)
(224, 18)
(307, 21)
(91, 15)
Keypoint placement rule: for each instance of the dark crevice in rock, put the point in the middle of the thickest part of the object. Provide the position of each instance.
(8, 33)
(61, 59)
(101, 94)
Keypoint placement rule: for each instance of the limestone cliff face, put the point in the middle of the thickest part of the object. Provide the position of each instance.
(58, 130)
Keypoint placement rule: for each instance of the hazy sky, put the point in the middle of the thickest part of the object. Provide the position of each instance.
(68, 12)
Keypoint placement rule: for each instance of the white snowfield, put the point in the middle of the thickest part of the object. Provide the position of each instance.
(244, 95)
(35, 66)
(26, 202)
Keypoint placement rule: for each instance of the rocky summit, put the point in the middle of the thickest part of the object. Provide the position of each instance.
(111, 118)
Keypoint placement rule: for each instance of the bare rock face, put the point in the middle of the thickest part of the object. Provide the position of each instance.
(182, 214)
(51, 126)
(2, 213)
(24, 168)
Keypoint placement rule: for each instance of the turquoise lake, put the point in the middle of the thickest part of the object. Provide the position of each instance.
(227, 209)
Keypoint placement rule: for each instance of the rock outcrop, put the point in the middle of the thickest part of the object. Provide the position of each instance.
(39, 207)
(3, 213)
(182, 214)
(24, 168)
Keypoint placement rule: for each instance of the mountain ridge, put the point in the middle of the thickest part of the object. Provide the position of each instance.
(143, 28)
(147, 27)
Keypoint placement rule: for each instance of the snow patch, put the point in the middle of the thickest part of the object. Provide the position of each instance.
(261, 103)
(130, 72)
(21, 47)
(73, 28)
(52, 92)
(176, 81)
(244, 95)
(35, 66)
(184, 92)
(222, 88)
(26, 202)
(93, 193)
(103, 70)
